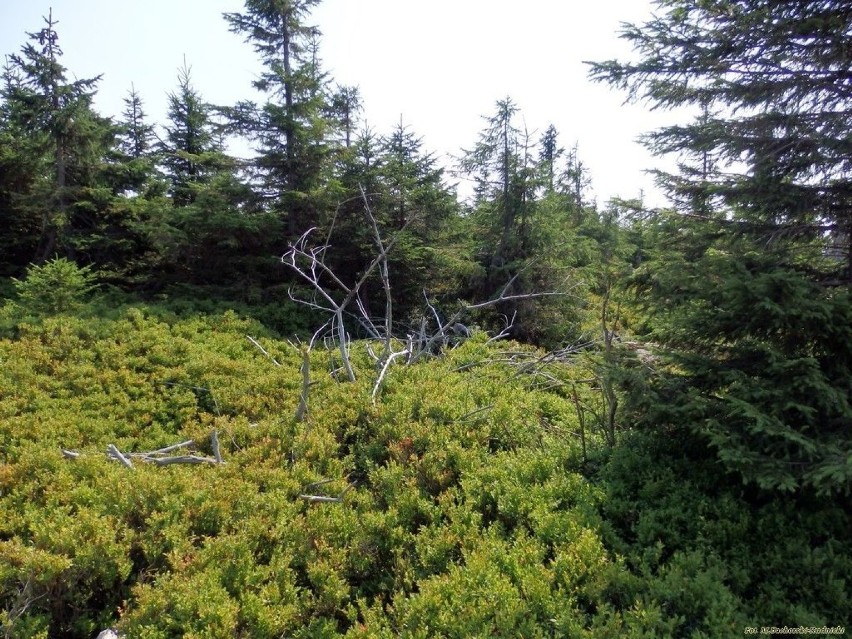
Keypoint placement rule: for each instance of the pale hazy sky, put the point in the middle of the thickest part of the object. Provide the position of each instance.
(438, 64)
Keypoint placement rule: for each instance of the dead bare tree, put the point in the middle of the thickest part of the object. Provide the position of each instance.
(334, 296)
(309, 262)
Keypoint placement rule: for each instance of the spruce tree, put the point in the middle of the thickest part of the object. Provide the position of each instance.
(137, 136)
(505, 184)
(212, 233)
(750, 286)
(58, 128)
(191, 151)
(290, 129)
(135, 156)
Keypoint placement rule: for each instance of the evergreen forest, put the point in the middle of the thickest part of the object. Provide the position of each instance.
(313, 392)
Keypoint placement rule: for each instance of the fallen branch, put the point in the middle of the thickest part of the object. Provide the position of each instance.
(159, 457)
(324, 499)
(116, 454)
(167, 449)
(183, 459)
(388, 361)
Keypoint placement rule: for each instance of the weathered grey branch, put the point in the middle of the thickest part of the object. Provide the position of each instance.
(388, 361)
(263, 350)
(116, 454)
(158, 457)
(322, 499)
(184, 459)
(24, 598)
(302, 409)
(167, 449)
(214, 444)
(309, 264)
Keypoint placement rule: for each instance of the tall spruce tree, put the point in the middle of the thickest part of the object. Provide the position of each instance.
(59, 130)
(212, 233)
(135, 147)
(505, 184)
(750, 288)
(21, 163)
(290, 128)
(191, 151)
(137, 136)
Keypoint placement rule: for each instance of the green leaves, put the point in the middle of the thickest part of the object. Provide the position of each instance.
(466, 513)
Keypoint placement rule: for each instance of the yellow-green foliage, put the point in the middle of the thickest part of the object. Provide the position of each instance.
(463, 512)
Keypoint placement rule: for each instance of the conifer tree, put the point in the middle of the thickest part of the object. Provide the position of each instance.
(290, 128)
(501, 166)
(548, 158)
(212, 232)
(137, 136)
(344, 107)
(190, 152)
(750, 288)
(21, 162)
(135, 153)
(57, 127)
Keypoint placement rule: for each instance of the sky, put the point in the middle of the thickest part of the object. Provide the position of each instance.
(439, 66)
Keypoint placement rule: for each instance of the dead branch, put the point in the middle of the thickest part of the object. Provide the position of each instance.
(466, 417)
(263, 350)
(506, 330)
(183, 459)
(160, 456)
(443, 333)
(310, 265)
(116, 454)
(302, 408)
(324, 499)
(24, 598)
(214, 444)
(387, 362)
(169, 449)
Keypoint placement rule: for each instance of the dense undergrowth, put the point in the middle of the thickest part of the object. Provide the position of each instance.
(467, 507)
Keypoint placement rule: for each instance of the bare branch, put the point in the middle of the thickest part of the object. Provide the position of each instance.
(388, 361)
(302, 409)
(169, 449)
(263, 350)
(116, 454)
(184, 459)
(322, 499)
(214, 444)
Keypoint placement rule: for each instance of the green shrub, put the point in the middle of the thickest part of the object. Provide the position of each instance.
(57, 286)
(464, 514)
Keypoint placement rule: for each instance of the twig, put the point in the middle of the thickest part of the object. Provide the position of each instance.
(302, 409)
(467, 416)
(321, 482)
(323, 498)
(263, 350)
(167, 449)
